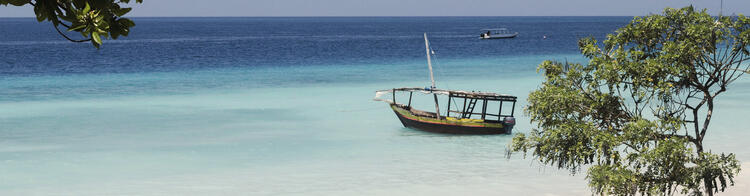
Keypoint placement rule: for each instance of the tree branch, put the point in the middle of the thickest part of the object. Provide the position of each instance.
(68, 38)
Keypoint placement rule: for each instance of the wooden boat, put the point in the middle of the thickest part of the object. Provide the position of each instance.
(498, 33)
(462, 120)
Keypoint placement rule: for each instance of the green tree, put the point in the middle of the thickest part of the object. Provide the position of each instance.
(94, 19)
(639, 111)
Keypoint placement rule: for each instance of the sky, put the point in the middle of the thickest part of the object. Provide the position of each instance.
(411, 7)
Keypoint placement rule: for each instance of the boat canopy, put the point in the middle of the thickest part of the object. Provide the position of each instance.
(452, 93)
(465, 111)
(495, 29)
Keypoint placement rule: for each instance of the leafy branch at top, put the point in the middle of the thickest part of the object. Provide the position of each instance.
(93, 19)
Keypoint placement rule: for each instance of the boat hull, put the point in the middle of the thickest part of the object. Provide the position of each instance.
(410, 120)
(500, 36)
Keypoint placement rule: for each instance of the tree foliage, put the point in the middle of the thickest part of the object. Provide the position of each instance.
(639, 111)
(94, 19)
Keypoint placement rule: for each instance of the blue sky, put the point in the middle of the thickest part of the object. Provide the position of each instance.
(411, 7)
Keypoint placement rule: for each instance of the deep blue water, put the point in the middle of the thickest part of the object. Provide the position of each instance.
(180, 44)
(250, 52)
(278, 106)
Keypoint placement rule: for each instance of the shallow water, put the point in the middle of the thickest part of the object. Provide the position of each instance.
(278, 106)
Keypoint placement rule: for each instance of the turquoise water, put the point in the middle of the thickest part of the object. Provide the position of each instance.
(192, 120)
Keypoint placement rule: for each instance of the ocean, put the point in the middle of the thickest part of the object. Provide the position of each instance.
(282, 106)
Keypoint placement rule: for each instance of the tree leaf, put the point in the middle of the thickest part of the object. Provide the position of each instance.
(122, 11)
(95, 38)
(87, 8)
(76, 28)
(16, 2)
(40, 13)
(126, 22)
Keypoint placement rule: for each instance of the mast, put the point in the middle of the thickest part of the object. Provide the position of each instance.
(432, 78)
(429, 62)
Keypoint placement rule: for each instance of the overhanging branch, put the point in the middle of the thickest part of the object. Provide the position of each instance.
(68, 38)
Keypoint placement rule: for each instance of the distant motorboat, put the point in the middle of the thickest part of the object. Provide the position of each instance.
(497, 33)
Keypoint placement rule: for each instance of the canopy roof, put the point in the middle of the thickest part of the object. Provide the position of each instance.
(455, 93)
(495, 29)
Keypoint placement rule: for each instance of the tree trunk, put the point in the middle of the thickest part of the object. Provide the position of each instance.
(709, 185)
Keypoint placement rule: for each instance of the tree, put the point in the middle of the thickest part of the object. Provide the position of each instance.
(639, 111)
(92, 18)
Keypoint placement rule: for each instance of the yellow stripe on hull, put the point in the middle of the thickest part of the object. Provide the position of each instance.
(447, 120)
